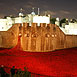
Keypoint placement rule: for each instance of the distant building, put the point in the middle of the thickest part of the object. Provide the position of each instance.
(70, 28)
(7, 22)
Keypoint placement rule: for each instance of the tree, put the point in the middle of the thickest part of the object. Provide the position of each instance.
(5, 17)
(53, 20)
(73, 20)
(63, 21)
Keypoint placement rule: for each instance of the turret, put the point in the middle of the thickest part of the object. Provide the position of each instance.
(21, 14)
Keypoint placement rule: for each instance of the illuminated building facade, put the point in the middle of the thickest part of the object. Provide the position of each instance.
(7, 23)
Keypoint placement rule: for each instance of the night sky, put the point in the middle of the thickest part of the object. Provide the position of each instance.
(57, 8)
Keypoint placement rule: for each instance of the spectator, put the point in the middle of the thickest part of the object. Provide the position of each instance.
(18, 73)
(26, 73)
(12, 71)
(2, 71)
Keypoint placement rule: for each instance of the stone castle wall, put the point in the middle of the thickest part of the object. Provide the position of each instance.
(35, 38)
(45, 38)
(8, 39)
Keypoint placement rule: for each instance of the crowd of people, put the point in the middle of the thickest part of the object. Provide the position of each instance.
(14, 72)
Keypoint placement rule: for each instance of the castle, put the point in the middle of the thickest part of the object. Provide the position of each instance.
(37, 34)
(43, 38)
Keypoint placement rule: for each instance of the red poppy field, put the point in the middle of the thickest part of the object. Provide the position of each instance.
(59, 63)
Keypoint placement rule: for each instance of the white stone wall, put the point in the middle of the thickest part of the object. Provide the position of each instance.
(41, 19)
(18, 20)
(70, 29)
(3, 24)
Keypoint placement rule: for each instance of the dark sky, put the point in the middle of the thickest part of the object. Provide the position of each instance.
(57, 8)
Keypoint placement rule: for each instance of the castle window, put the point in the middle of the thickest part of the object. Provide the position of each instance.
(26, 35)
(34, 35)
(53, 35)
(20, 34)
(47, 35)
